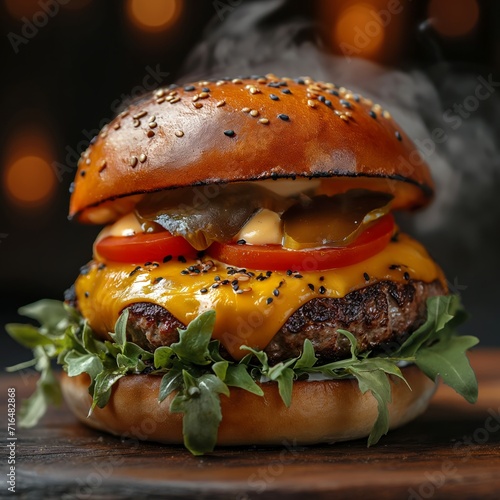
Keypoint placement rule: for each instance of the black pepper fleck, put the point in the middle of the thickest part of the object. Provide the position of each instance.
(283, 117)
(274, 97)
(229, 133)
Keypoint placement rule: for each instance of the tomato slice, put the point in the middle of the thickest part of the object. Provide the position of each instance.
(276, 258)
(146, 247)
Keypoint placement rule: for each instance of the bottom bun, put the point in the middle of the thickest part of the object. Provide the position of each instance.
(321, 411)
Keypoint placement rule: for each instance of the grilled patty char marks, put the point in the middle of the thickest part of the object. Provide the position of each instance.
(380, 316)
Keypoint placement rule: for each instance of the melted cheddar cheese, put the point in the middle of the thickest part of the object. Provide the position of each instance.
(257, 309)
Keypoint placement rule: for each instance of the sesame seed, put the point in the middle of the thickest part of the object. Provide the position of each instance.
(229, 133)
(399, 137)
(311, 286)
(179, 133)
(276, 292)
(254, 112)
(160, 93)
(254, 90)
(322, 278)
(386, 114)
(311, 103)
(136, 123)
(195, 98)
(102, 165)
(274, 97)
(345, 103)
(160, 100)
(133, 161)
(143, 158)
(286, 91)
(333, 92)
(167, 258)
(205, 89)
(236, 80)
(283, 117)
(241, 242)
(366, 276)
(139, 115)
(87, 294)
(269, 300)
(157, 280)
(134, 271)
(174, 100)
(197, 105)
(203, 290)
(87, 161)
(152, 124)
(372, 113)
(344, 117)
(264, 121)
(182, 259)
(269, 273)
(406, 276)
(321, 98)
(150, 133)
(220, 104)
(184, 272)
(246, 110)
(289, 272)
(203, 95)
(116, 126)
(189, 88)
(299, 276)
(322, 290)
(328, 103)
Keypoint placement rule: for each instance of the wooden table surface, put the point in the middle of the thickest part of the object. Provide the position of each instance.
(453, 451)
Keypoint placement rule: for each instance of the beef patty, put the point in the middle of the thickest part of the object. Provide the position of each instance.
(381, 317)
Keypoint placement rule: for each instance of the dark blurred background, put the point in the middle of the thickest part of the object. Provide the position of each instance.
(69, 65)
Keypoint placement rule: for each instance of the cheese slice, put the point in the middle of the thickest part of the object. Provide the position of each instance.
(252, 313)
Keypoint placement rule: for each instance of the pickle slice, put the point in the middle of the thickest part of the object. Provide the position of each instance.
(332, 221)
(206, 214)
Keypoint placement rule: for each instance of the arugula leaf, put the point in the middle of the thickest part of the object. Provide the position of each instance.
(170, 382)
(193, 342)
(196, 371)
(199, 402)
(447, 358)
(308, 358)
(378, 384)
(238, 376)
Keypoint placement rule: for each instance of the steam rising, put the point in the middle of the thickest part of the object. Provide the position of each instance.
(256, 38)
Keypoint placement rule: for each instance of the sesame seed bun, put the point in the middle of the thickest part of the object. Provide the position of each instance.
(246, 129)
(345, 413)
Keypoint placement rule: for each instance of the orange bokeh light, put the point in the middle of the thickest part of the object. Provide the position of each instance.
(153, 15)
(451, 18)
(22, 8)
(359, 30)
(29, 180)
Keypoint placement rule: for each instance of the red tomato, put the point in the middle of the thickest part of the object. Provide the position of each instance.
(146, 247)
(276, 258)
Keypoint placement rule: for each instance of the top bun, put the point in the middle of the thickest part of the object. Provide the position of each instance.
(246, 129)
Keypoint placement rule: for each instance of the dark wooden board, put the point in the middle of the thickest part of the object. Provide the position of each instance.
(447, 453)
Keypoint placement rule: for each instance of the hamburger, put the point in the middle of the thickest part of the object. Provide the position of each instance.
(250, 284)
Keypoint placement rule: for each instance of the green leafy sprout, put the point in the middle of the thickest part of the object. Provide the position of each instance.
(193, 370)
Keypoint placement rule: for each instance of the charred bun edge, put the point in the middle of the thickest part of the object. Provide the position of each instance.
(426, 189)
(321, 411)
